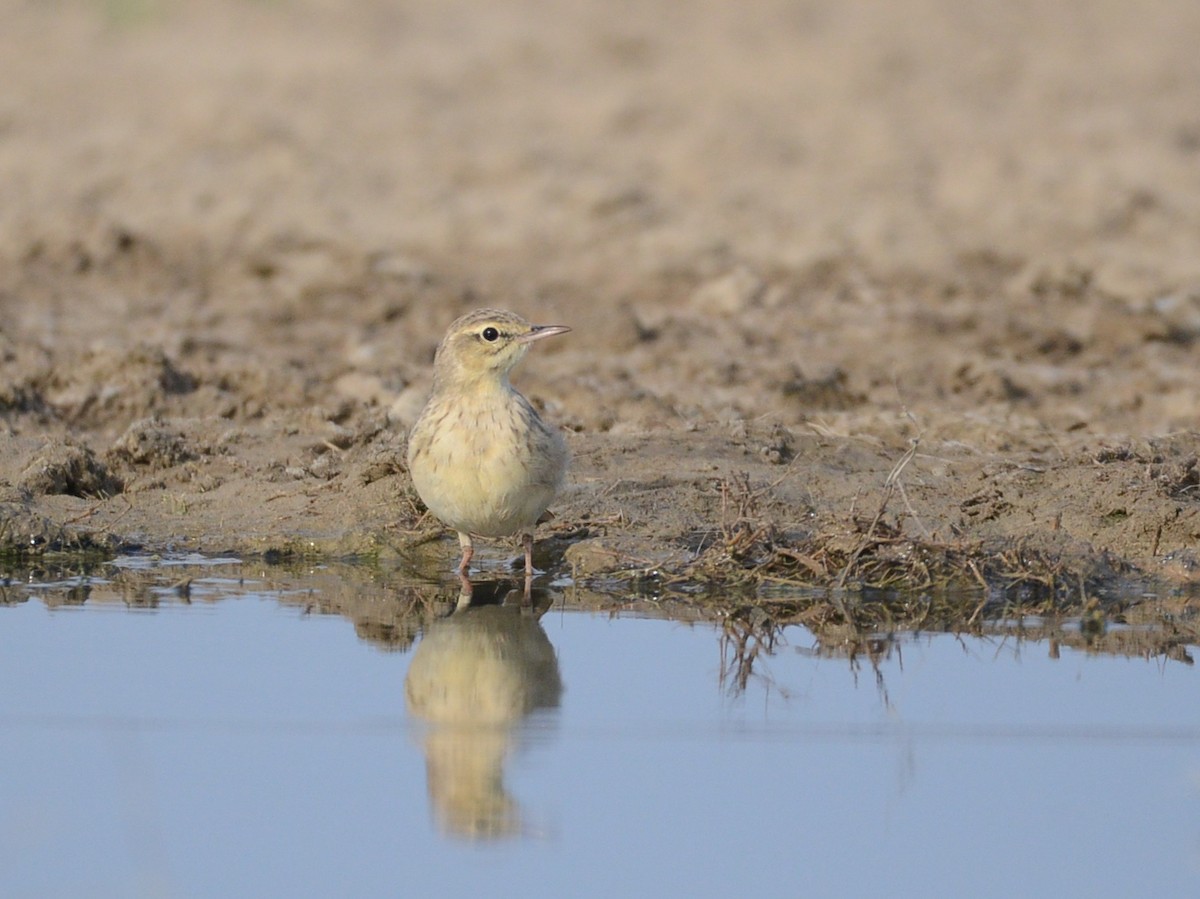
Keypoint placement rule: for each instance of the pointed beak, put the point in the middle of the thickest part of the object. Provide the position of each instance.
(537, 332)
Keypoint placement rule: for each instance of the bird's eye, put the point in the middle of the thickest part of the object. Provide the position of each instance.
(490, 334)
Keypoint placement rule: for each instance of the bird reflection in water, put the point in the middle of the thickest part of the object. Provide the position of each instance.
(474, 677)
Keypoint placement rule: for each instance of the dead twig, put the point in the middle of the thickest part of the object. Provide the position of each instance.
(889, 487)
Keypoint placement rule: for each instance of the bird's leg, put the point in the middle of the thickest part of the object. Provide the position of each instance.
(527, 541)
(464, 593)
(468, 550)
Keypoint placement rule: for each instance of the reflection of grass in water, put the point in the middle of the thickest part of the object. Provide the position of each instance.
(868, 629)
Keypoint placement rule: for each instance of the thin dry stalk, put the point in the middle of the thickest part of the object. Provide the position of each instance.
(889, 487)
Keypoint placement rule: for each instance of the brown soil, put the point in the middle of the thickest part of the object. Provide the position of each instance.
(896, 293)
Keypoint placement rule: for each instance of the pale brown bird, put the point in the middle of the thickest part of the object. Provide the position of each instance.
(480, 456)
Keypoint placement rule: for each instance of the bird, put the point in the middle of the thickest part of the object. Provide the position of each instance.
(481, 458)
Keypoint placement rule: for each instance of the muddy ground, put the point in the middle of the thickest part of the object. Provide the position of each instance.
(892, 293)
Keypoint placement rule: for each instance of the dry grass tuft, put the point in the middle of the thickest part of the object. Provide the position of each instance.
(882, 570)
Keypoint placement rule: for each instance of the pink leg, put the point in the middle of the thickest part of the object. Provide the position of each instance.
(464, 593)
(527, 540)
(468, 550)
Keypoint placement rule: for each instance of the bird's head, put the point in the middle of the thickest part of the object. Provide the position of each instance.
(487, 343)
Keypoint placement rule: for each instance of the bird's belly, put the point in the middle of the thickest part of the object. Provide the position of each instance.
(488, 487)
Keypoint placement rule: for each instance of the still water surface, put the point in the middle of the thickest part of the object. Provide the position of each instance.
(226, 738)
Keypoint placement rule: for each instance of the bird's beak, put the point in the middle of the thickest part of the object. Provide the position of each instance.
(537, 332)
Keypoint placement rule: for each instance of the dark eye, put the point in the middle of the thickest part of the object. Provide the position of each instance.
(490, 334)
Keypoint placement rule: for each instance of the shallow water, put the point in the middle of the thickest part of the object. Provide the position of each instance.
(172, 728)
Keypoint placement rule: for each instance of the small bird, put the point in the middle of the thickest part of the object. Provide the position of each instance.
(480, 456)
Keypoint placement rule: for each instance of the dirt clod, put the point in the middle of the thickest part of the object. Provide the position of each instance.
(67, 468)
